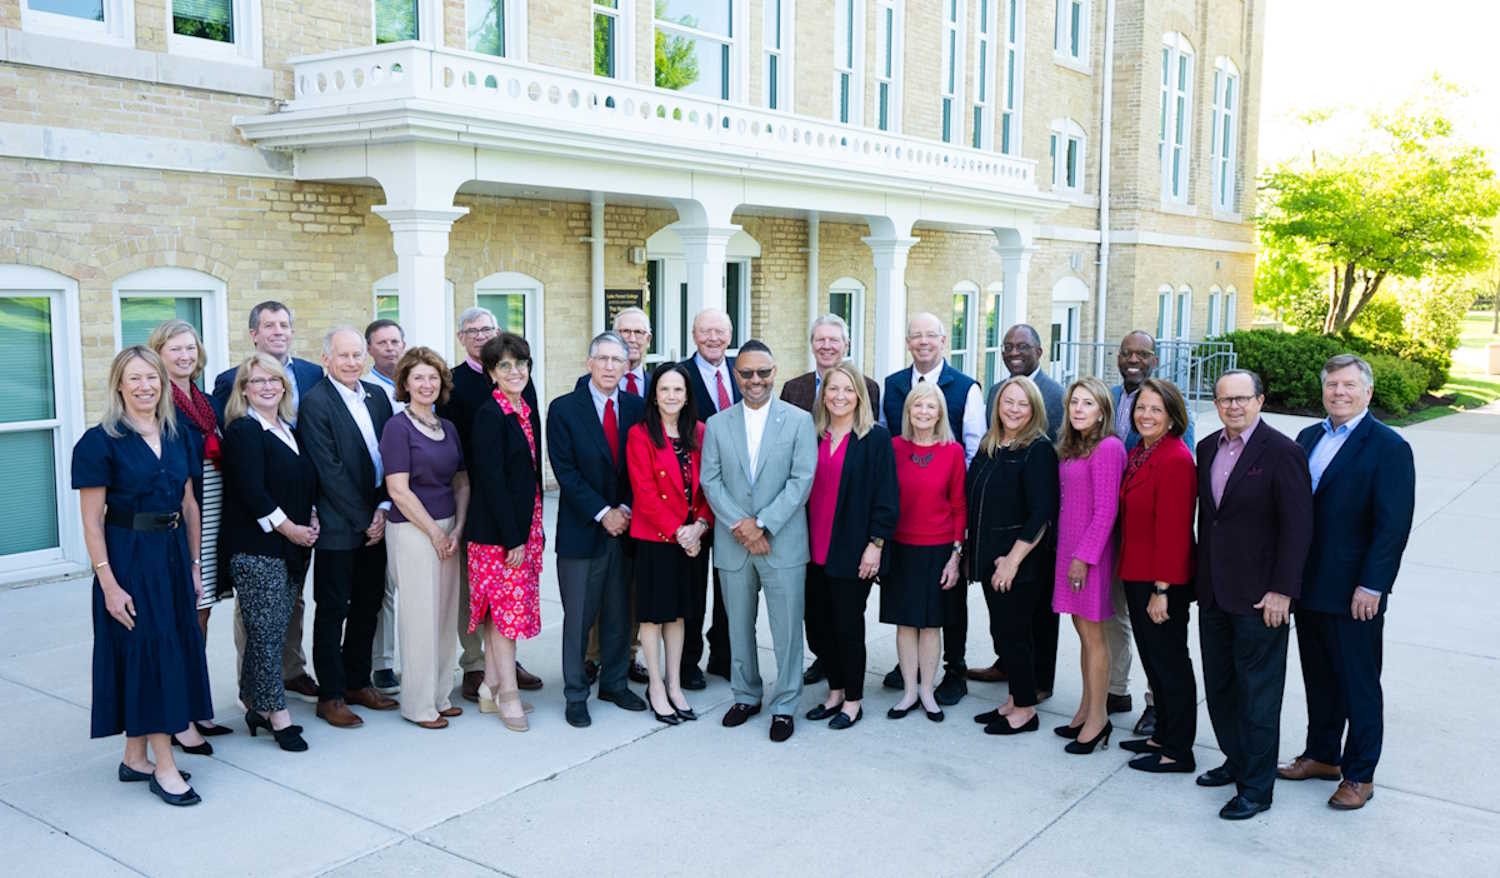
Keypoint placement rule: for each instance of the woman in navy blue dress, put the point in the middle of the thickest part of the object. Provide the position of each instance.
(140, 522)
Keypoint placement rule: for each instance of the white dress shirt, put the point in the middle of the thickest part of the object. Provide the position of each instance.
(389, 386)
(709, 373)
(354, 400)
(755, 430)
(283, 431)
(599, 399)
(972, 429)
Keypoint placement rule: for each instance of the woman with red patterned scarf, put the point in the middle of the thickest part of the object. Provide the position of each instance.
(181, 351)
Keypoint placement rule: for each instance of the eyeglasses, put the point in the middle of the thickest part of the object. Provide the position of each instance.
(506, 367)
(633, 332)
(1137, 355)
(1233, 402)
(762, 374)
(258, 383)
(477, 331)
(1018, 348)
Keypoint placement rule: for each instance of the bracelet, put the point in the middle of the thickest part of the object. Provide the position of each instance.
(101, 565)
(197, 563)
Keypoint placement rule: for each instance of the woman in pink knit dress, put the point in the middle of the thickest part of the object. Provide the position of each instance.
(1091, 463)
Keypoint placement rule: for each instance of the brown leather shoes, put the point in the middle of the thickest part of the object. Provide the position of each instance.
(438, 723)
(525, 679)
(1351, 796)
(302, 686)
(451, 711)
(338, 714)
(470, 688)
(991, 674)
(1303, 768)
(370, 697)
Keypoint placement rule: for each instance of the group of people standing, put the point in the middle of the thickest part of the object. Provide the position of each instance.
(421, 491)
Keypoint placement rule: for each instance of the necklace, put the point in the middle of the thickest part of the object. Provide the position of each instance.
(431, 422)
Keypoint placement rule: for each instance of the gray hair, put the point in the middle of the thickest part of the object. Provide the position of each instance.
(1260, 388)
(632, 311)
(333, 333)
(607, 338)
(1344, 361)
(829, 320)
(269, 305)
(925, 315)
(469, 315)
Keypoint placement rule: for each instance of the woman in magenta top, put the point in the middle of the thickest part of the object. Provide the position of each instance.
(1091, 462)
(851, 513)
(927, 543)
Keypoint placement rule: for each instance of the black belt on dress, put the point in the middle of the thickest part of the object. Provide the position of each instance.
(148, 521)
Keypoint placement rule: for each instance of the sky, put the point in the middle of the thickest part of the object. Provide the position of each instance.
(1362, 53)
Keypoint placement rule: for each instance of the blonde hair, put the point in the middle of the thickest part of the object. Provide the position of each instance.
(1035, 427)
(237, 406)
(113, 420)
(170, 329)
(864, 419)
(1074, 444)
(942, 431)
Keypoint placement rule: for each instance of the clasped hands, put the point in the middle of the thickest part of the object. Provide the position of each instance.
(616, 521)
(690, 538)
(751, 536)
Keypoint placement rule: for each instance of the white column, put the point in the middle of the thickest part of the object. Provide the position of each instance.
(706, 248)
(596, 260)
(420, 237)
(1015, 265)
(890, 301)
(814, 289)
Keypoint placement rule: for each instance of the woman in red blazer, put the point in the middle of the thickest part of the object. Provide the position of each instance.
(668, 522)
(1157, 496)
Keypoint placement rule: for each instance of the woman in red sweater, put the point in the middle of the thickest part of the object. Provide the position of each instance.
(670, 517)
(1157, 496)
(925, 548)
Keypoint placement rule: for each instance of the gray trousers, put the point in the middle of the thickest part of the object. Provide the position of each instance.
(594, 589)
(1119, 636)
(785, 599)
(383, 654)
(471, 645)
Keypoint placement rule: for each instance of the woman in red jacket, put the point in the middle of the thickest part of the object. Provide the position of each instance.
(671, 515)
(1157, 496)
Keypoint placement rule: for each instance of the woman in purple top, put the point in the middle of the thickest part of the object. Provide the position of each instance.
(424, 472)
(1091, 462)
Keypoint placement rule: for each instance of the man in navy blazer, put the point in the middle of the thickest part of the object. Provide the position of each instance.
(271, 333)
(586, 432)
(1254, 527)
(1364, 486)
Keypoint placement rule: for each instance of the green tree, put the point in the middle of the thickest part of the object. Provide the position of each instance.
(1414, 202)
(676, 57)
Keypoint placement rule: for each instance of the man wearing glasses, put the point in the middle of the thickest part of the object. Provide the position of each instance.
(471, 388)
(1255, 525)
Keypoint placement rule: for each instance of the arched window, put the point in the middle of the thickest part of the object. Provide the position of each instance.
(1182, 324)
(1224, 142)
(1174, 138)
(993, 317)
(516, 299)
(1215, 305)
(1164, 294)
(1068, 296)
(1231, 307)
(145, 299)
(846, 298)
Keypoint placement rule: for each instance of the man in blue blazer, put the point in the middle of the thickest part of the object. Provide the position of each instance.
(1364, 485)
(586, 432)
(271, 333)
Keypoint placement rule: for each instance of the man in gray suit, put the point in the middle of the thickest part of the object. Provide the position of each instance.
(757, 472)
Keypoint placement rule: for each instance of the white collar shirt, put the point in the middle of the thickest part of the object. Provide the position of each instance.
(354, 400)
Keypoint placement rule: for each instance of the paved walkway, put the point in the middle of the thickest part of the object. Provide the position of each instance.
(629, 796)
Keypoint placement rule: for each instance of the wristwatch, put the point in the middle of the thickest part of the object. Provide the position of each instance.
(1161, 589)
(878, 542)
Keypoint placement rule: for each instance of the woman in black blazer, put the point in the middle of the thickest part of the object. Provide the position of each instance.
(1012, 498)
(269, 486)
(851, 512)
(504, 526)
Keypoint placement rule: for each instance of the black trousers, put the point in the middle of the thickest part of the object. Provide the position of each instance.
(1013, 628)
(1163, 650)
(349, 586)
(955, 627)
(1244, 672)
(1044, 622)
(594, 590)
(835, 617)
(1341, 660)
(718, 632)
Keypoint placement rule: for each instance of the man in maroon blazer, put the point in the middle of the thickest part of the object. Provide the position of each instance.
(1255, 524)
(829, 338)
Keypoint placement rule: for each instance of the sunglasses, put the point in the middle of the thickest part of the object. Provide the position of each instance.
(762, 374)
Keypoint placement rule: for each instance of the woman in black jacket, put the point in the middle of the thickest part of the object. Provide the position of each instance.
(1012, 500)
(851, 512)
(269, 487)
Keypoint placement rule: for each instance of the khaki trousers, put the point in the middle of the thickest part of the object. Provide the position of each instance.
(426, 618)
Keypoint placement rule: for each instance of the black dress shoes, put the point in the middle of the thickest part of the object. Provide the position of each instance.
(893, 679)
(900, 712)
(823, 711)
(953, 687)
(1139, 745)
(987, 717)
(1002, 726)
(781, 727)
(1118, 703)
(577, 714)
(814, 673)
(1069, 732)
(693, 679)
(738, 713)
(1152, 763)
(1216, 777)
(591, 671)
(1146, 725)
(204, 749)
(130, 775)
(844, 721)
(934, 715)
(211, 731)
(1242, 808)
(623, 699)
(181, 800)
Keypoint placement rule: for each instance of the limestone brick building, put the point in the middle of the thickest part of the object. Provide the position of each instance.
(1086, 166)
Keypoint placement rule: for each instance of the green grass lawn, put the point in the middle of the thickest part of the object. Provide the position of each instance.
(1468, 384)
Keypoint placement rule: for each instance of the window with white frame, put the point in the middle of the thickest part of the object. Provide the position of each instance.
(516, 300)
(1215, 303)
(1070, 33)
(386, 298)
(889, 35)
(227, 30)
(983, 109)
(846, 298)
(1231, 306)
(1223, 143)
(737, 301)
(1182, 328)
(1066, 151)
(612, 33)
(1176, 116)
(960, 339)
(1164, 295)
(952, 70)
(145, 299)
(108, 21)
(1010, 100)
(778, 37)
(400, 20)
(992, 328)
(498, 27)
(849, 61)
(696, 47)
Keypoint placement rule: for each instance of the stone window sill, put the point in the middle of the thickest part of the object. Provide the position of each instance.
(121, 62)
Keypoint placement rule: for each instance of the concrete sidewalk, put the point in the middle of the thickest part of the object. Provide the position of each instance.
(629, 796)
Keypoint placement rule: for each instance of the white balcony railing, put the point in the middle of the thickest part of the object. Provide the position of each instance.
(484, 86)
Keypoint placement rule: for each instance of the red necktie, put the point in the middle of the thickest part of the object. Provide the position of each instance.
(611, 430)
(724, 402)
(631, 385)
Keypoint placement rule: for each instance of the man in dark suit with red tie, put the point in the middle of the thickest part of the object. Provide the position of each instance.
(586, 432)
(1364, 489)
(711, 379)
(1254, 528)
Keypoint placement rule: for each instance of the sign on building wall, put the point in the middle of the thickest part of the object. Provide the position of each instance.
(616, 301)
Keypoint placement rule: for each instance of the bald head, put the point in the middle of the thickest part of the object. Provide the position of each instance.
(926, 340)
(711, 334)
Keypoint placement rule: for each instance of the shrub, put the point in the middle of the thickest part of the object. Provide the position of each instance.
(1434, 361)
(1288, 363)
(1398, 382)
